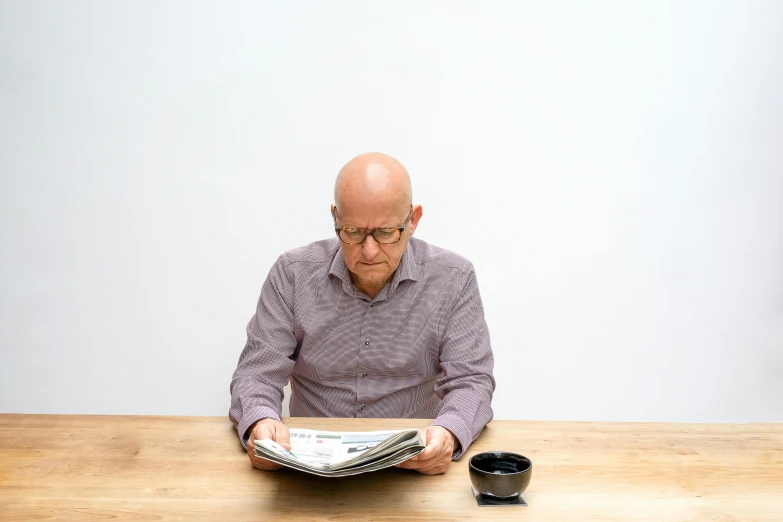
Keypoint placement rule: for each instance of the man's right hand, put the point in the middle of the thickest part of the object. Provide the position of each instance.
(267, 429)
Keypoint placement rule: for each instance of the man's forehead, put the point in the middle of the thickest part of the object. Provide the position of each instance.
(373, 213)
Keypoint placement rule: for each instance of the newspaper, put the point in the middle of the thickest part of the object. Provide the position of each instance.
(338, 454)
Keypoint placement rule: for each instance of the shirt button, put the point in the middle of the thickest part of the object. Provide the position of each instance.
(362, 408)
(366, 342)
(364, 376)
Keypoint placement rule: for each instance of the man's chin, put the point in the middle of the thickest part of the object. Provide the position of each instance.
(374, 277)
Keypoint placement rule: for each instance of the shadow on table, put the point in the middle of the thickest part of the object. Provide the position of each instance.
(381, 491)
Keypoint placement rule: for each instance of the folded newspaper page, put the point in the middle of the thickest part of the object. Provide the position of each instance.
(338, 454)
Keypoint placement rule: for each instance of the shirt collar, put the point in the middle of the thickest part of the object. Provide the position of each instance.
(339, 269)
(407, 270)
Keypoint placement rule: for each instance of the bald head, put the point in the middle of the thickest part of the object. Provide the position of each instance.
(373, 177)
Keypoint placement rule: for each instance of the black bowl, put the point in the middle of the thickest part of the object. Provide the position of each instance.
(500, 475)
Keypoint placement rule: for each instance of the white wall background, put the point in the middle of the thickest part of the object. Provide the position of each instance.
(613, 169)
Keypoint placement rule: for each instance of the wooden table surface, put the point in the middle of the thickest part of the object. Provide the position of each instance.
(85, 467)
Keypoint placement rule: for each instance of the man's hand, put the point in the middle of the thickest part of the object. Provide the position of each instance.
(267, 429)
(436, 457)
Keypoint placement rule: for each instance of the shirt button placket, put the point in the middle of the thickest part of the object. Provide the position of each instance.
(363, 407)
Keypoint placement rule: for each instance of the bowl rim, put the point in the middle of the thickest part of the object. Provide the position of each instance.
(500, 455)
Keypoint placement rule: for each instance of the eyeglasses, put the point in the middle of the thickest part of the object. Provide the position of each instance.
(384, 236)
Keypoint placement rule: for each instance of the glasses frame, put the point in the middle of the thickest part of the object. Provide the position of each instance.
(371, 231)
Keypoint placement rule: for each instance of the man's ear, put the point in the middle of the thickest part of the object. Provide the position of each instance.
(334, 213)
(418, 211)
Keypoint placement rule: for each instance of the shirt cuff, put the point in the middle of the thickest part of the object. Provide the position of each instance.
(460, 430)
(252, 416)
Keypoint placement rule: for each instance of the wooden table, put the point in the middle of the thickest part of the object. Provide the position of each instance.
(86, 467)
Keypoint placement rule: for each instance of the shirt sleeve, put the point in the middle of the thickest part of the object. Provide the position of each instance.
(266, 362)
(466, 384)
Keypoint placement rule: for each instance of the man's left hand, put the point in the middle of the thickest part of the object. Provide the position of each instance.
(436, 457)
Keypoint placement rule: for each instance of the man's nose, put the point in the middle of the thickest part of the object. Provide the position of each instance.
(370, 248)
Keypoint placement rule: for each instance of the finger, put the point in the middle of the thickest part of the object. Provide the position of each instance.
(260, 462)
(283, 436)
(434, 446)
(405, 465)
(430, 450)
(437, 470)
(251, 447)
(435, 466)
(251, 451)
(427, 454)
(264, 464)
(415, 464)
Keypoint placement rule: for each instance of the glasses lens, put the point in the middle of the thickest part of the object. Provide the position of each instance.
(352, 235)
(387, 235)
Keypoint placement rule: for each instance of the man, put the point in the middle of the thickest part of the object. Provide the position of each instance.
(371, 323)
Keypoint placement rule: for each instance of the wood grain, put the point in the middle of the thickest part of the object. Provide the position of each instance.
(84, 467)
